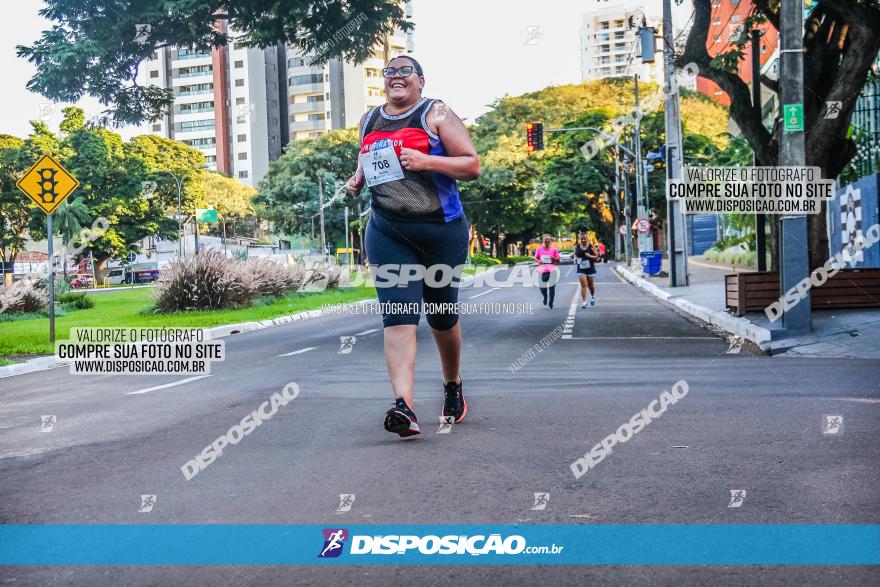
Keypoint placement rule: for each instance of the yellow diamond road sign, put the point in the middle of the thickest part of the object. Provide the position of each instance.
(47, 183)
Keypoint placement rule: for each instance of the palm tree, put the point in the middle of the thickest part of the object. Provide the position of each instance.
(69, 218)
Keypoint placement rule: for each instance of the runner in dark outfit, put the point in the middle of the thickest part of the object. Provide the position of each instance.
(585, 255)
(418, 220)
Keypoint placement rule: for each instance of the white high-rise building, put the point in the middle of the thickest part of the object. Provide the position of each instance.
(226, 104)
(335, 95)
(240, 106)
(609, 39)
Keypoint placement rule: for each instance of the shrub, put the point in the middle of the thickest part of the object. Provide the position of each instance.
(514, 259)
(274, 279)
(210, 281)
(320, 276)
(80, 301)
(483, 259)
(23, 296)
(207, 281)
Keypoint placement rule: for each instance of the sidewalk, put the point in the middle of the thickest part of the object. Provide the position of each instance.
(836, 333)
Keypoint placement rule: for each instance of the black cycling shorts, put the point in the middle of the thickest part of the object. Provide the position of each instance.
(391, 243)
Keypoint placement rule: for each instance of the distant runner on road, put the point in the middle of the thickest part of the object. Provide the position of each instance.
(585, 256)
(548, 258)
(413, 149)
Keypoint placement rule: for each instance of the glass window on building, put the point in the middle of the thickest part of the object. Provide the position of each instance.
(194, 125)
(243, 174)
(314, 78)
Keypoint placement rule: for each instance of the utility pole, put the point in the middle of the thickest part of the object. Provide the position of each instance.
(794, 261)
(321, 212)
(362, 253)
(641, 208)
(51, 252)
(347, 247)
(627, 221)
(675, 219)
(760, 219)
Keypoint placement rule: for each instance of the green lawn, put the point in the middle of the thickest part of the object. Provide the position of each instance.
(31, 337)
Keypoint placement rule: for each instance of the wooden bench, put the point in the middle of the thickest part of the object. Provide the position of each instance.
(850, 288)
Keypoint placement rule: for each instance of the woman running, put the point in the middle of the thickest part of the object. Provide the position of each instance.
(585, 254)
(413, 149)
(548, 258)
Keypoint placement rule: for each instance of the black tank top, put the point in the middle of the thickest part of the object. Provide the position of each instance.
(419, 196)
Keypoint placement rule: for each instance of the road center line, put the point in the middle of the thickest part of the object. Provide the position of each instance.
(305, 350)
(167, 385)
(642, 337)
(370, 331)
(484, 293)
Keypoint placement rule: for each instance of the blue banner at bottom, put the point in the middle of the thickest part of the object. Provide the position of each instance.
(606, 544)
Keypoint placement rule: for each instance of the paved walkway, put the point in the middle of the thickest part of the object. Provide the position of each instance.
(836, 333)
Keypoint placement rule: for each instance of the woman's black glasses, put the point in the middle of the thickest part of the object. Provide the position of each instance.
(404, 71)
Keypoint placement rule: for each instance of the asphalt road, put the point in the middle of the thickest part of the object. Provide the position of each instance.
(748, 422)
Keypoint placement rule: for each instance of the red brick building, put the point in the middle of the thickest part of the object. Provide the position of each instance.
(727, 16)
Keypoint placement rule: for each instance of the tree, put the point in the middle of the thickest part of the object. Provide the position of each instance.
(112, 175)
(71, 216)
(840, 46)
(15, 211)
(289, 190)
(95, 47)
(573, 191)
(231, 198)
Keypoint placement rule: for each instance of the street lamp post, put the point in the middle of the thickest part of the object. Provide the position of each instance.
(179, 225)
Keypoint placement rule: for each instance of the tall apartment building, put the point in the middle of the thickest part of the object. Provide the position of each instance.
(335, 95)
(609, 39)
(727, 18)
(240, 106)
(227, 104)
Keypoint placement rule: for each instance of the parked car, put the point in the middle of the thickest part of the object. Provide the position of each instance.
(566, 257)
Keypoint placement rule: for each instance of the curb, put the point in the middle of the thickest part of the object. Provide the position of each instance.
(737, 326)
(50, 362)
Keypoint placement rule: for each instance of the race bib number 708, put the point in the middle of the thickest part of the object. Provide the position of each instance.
(381, 166)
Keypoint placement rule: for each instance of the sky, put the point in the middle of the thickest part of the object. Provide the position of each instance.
(472, 51)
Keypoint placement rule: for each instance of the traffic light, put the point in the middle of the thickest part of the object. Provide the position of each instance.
(535, 136)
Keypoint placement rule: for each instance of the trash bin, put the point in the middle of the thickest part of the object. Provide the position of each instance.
(651, 261)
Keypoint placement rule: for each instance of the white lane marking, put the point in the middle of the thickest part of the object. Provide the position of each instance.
(167, 385)
(572, 312)
(305, 350)
(860, 400)
(370, 331)
(484, 293)
(644, 337)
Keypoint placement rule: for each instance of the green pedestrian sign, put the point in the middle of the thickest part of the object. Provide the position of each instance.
(793, 118)
(206, 215)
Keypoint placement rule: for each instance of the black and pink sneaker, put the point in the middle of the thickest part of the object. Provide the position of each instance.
(401, 420)
(454, 403)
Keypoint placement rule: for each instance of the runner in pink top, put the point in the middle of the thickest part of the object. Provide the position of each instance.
(547, 257)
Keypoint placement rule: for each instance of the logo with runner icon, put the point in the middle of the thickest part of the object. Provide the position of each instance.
(541, 501)
(334, 540)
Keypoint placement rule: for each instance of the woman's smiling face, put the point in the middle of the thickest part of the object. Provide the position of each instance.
(400, 88)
